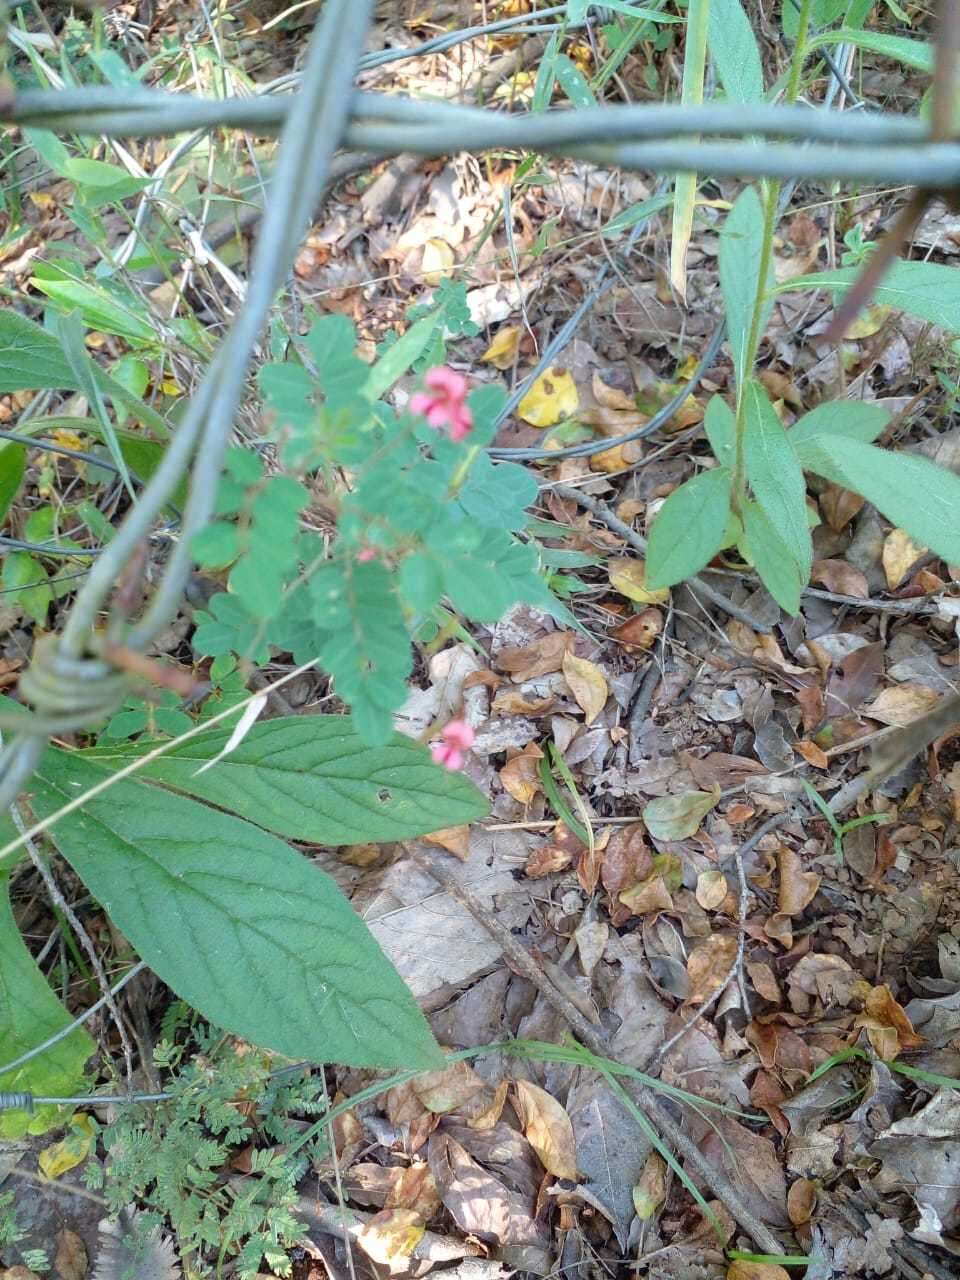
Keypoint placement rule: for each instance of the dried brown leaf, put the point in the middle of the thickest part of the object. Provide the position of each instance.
(839, 576)
(640, 631)
(527, 662)
(548, 1129)
(708, 966)
(390, 1237)
(520, 776)
(547, 860)
(900, 554)
(712, 889)
(798, 888)
(902, 704)
(587, 683)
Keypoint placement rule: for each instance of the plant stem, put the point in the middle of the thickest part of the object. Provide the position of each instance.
(766, 256)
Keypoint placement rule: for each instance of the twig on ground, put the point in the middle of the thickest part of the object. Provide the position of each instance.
(639, 543)
(434, 864)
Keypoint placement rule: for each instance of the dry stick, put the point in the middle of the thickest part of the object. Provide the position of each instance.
(639, 543)
(434, 865)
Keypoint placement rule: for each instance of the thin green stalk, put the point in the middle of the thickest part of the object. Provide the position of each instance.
(766, 256)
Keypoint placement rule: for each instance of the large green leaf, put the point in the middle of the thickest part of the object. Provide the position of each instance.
(928, 290)
(776, 476)
(31, 359)
(911, 491)
(30, 1014)
(247, 931)
(13, 465)
(854, 419)
(733, 47)
(312, 778)
(741, 241)
(688, 530)
(771, 557)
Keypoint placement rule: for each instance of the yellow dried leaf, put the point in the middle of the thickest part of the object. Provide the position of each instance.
(587, 684)
(900, 554)
(502, 351)
(437, 261)
(60, 1157)
(711, 889)
(629, 578)
(519, 89)
(870, 321)
(548, 1130)
(68, 439)
(551, 398)
(391, 1236)
(651, 1188)
(902, 704)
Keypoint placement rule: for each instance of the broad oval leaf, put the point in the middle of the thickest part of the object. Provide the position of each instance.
(776, 476)
(689, 528)
(911, 491)
(741, 242)
(312, 778)
(235, 922)
(721, 428)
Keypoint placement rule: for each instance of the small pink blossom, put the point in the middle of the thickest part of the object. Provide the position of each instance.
(457, 739)
(445, 404)
(366, 554)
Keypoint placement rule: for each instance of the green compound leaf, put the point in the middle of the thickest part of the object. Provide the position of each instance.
(911, 491)
(689, 529)
(776, 476)
(235, 922)
(313, 778)
(30, 1014)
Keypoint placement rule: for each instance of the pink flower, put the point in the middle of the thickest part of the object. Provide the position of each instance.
(444, 405)
(366, 554)
(457, 738)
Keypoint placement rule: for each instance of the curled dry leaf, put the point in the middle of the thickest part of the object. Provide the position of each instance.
(756, 1271)
(680, 816)
(548, 1129)
(814, 755)
(839, 506)
(885, 1021)
(547, 860)
(650, 1190)
(839, 576)
(629, 578)
(798, 888)
(902, 704)
(900, 554)
(520, 777)
(801, 1201)
(649, 895)
(454, 1088)
(529, 661)
(640, 631)
(712, 889)
(551, 398)
(70, 1261)
(764, 982)
(587, 684)
(502, 351)
(437, 262)
(455, 840)
(708, 966)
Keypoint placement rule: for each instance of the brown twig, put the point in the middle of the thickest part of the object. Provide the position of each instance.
(434, 864)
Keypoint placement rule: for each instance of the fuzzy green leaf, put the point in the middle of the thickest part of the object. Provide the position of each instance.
(733, 47)
(741, 241)
(313, 778)
(928, 290)
(246, 930)
(854, 419)
(771, 558)
(911, 491)
(776, 476)
(688, 529)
